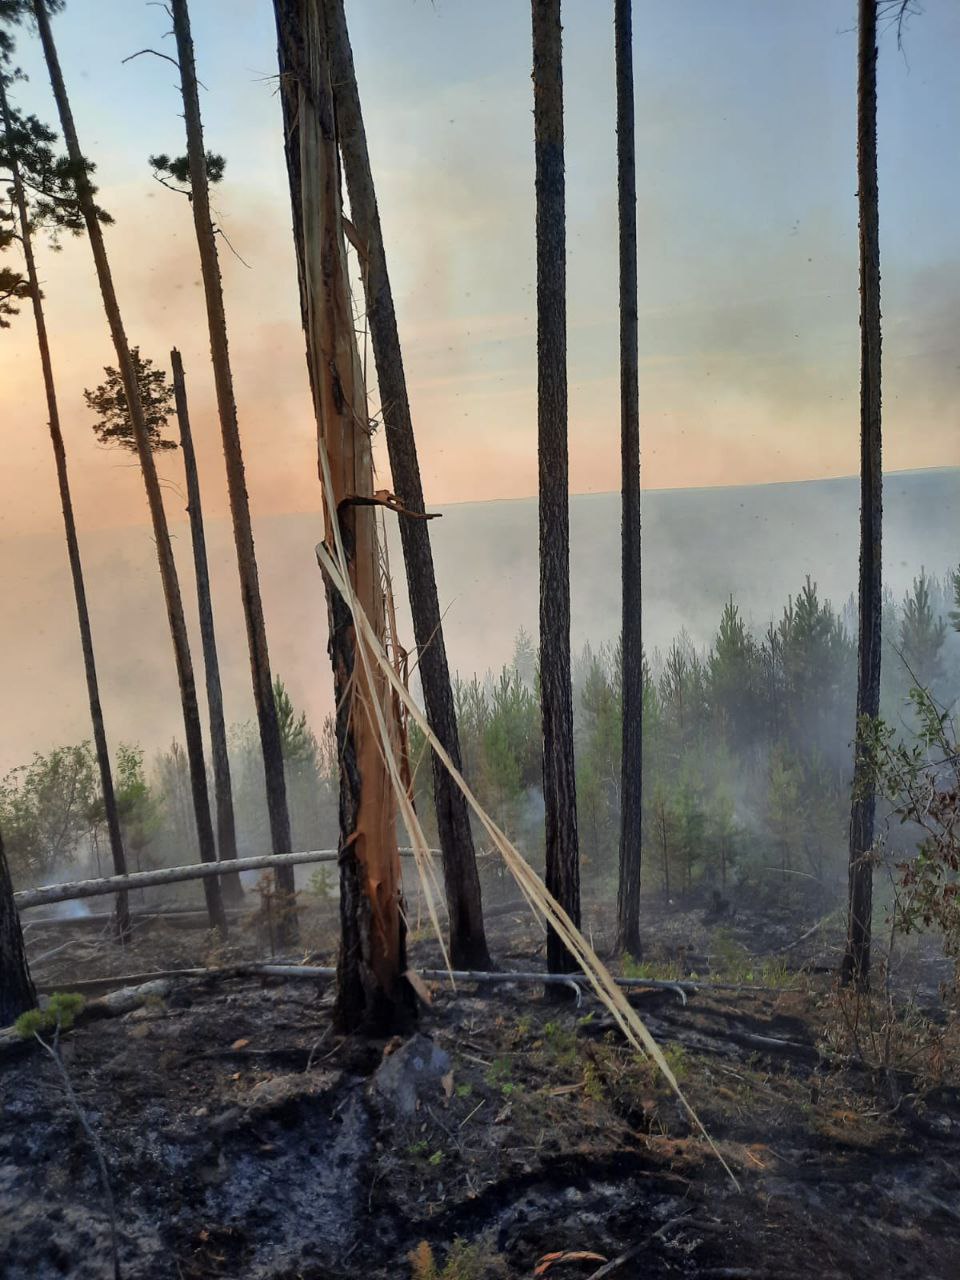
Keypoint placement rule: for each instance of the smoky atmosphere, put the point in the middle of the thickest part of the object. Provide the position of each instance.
(480, 778)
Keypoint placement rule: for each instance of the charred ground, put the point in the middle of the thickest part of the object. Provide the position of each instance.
(245, 1138)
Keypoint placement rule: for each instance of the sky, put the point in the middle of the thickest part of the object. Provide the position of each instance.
(747, 244)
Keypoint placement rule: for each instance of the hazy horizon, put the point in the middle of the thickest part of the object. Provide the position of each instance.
(700, 545)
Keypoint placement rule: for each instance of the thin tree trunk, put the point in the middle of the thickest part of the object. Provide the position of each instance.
(16, 986)
(168, 568)
(122, 913)
(556, 694)
(279, 814)
(230, 884)
(371, 988)
(468, 944)
(856, 961)
(631, 645)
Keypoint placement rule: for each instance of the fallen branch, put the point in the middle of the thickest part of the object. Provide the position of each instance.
(307, 972)
(113, 1005)
(70, 890)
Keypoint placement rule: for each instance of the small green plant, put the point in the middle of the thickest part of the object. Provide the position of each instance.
(657, 971)
(436, 1158)
(464, 1090)
(464, 1262)
(499, 1072)
(323, 884)
(59, 1013)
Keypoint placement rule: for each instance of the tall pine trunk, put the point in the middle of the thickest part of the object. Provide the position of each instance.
(222, 785)
(16, 986)
(556, 694)
(856, 961)
(631, 764)
(168, 568)
(278, 811)
(468, 945)
(372, 991)
(122, 910)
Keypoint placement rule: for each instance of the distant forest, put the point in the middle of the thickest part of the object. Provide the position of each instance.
(746, 766)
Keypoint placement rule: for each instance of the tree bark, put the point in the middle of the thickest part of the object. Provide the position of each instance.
(631, 644)
(556, 694)
(16, 986)
(468, 944)
(230, 884)
(856, 961)
(372, 991)
(168, 568)
(122, 912)
(278, 811)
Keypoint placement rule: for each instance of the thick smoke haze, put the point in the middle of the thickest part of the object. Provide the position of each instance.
(700, 546)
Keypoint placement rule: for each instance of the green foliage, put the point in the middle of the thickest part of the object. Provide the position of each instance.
(297, 743)
(922, 633)
(919, 775)
(60, 1012)
(48, 809)
(113, 425)
(170, 170)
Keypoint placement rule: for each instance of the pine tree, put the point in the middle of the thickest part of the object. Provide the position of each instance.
(200, 173)
(371, 989)
(17, 994)
(468, 945)
(556, 693)
(856, 961)
(631, 768)
(27, 157)
(128, 374)
(222, 782)
(922, 634)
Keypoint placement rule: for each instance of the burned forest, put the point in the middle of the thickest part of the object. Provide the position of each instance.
(480, 770)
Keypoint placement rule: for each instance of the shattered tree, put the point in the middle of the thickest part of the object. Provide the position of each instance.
(372, 991)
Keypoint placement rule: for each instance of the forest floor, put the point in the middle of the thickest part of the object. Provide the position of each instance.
(244, 1138)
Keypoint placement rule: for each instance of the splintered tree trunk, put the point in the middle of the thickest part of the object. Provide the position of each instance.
(371, 988)
(856, 961)
(628, 895)
(468, 945)
(16, 986)
(168, 568)
(279, 815)
(122, 915)
(223, 788)
(556, 695)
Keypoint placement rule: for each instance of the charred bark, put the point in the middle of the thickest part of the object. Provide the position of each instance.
(856, 961)
(230, 884)
(168, 568)
(631, 642)
(111, 812)
(556, 695)
(16, 986)
(468, 945)
(372, 991)
(279, 815)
